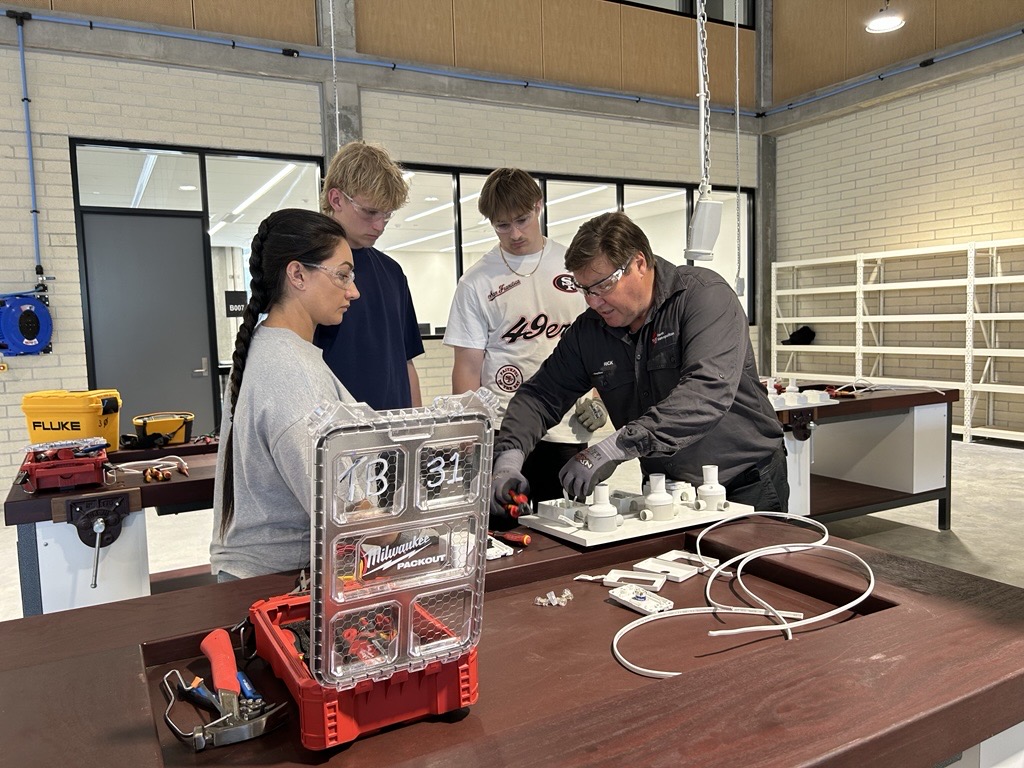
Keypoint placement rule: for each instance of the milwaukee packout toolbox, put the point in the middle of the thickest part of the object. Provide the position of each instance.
(399, 534)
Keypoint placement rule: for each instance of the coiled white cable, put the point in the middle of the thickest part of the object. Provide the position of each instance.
(784, 624)
(677, 612)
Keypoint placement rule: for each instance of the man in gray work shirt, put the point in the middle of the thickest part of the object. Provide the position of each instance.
(668, 349)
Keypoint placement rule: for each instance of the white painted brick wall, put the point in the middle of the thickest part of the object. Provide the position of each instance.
(99, 99)
(454, 132)
(474, 134)
(933, 169)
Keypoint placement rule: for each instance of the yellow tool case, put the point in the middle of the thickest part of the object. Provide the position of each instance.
(155, 430)
(59, 414)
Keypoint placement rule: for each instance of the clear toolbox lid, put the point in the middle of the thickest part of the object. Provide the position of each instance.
(400, 502)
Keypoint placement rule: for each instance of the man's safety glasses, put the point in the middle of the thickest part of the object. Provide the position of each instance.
(603, 286)
(369, 214)
(504, 227)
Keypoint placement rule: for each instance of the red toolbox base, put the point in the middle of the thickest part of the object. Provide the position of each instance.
(329, 717)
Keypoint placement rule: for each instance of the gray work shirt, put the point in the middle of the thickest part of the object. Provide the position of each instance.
(686, 391)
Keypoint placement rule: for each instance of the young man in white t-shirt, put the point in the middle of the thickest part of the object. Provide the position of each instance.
(509, 311)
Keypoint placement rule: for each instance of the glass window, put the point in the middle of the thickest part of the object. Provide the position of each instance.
(124, 177)
(242, 191)
(571, 203)
(421, 237)
(717, 10)
(477, 236)
(661, 213)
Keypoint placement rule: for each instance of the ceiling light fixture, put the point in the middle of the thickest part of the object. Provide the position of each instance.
(885, 21)
(265, 188)
(187, 188)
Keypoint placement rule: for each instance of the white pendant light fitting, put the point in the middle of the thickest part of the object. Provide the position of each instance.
(885, 21)
(706, 221)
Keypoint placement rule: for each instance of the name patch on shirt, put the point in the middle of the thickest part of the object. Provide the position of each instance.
(503, 288)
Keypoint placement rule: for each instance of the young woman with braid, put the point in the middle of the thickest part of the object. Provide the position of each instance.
(302, 276)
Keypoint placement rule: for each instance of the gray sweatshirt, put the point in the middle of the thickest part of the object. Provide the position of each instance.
(285, 379)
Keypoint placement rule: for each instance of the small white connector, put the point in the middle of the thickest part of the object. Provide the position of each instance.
(640, 600)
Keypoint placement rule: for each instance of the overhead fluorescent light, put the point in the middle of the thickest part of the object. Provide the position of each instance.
(421, 214)
(444, 207)
(265, 188)
(187, 188)
(575, 195)
(216, 228)
(408, 175)
(418, 240)
(143, 181)
(590, 215)
(637, 203)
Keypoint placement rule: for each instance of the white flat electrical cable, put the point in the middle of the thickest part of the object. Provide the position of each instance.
(784, 624)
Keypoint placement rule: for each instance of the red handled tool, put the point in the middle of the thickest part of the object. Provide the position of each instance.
(512, 537)
(520, 504)
(241, 718)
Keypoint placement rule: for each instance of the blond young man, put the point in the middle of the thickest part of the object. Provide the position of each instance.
(509, 312)
(372, 351)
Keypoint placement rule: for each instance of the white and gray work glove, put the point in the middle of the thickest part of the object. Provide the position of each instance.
(506, 476)
(592, 465)
(591, 413)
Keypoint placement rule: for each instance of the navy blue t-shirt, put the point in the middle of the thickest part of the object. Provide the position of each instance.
(368, 351)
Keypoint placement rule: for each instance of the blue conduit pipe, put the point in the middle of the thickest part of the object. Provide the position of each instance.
(25, 100)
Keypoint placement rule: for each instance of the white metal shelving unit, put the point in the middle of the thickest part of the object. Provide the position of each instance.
(850, 299)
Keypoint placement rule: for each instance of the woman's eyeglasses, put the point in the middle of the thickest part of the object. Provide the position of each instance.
(340, 276)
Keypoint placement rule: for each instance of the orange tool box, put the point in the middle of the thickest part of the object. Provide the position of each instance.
(389, 630)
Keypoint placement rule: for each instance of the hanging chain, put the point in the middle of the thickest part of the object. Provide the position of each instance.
(702, 55)
(739, 197)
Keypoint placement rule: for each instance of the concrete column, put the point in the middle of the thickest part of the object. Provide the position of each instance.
(342, 119)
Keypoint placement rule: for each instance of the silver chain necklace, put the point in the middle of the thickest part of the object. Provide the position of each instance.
(540, 258)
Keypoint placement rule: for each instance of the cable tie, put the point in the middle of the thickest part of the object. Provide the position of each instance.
(290, 52)
(927, 63)
(26, 98)
(232, 43)
(90, 24)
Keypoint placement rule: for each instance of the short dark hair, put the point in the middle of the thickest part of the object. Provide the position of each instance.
(508, 193)
(613, 235)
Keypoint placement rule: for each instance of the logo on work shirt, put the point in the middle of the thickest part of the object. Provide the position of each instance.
(503, 288)
(565, 284)
(659, 336)
(508, 378)
(524, 330)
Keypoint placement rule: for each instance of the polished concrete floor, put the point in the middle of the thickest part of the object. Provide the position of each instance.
(986, 538)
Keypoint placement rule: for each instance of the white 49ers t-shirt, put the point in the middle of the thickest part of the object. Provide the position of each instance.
(517, 319)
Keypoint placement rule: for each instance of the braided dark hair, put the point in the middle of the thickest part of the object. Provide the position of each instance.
(284, 236)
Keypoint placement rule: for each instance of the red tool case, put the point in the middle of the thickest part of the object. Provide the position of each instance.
(389, 630)
(60, 469)
(329, 717)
